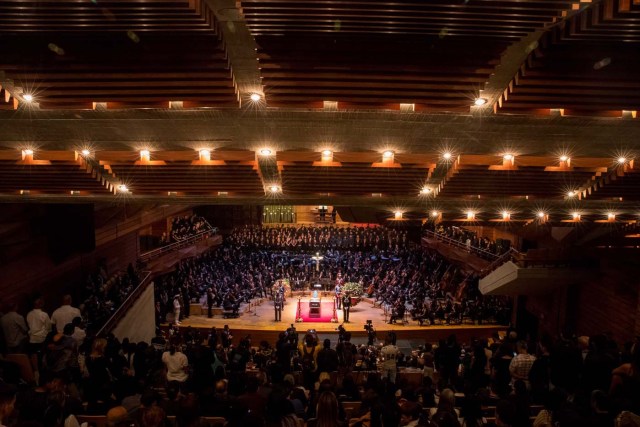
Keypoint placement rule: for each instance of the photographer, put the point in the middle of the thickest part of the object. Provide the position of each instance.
(371, 332)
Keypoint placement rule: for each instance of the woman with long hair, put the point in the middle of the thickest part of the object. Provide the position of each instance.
(327, 411)
(99, 384)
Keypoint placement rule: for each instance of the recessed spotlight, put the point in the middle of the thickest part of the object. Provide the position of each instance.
(447, 156)
(387, 154)
(255, 97)
(266, 152)
(274, 188)
(86, 152)
(480, 101)
(27, 97)
(145, 155)
(508, 157)
(205, 154)
(622, 160)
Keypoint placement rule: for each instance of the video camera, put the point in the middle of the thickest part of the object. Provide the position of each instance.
(368, 326)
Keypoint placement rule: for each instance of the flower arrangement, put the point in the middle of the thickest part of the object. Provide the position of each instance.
(352, 288)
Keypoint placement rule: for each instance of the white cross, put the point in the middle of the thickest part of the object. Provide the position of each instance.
(317, 259)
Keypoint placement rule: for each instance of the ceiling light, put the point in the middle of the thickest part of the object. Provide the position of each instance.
(622, 160)
(255, 97)
(447, 156)
(205, 154)
(265, 152)
(274, 188)
(27, 97)
(480, 101)
(508, 157)
(86, 152)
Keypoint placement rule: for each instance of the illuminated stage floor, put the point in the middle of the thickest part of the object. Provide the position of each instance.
(260, 323)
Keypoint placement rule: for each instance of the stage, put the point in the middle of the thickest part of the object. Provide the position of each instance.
(258, 321)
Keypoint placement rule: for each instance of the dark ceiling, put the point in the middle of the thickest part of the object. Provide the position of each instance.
(356, 77)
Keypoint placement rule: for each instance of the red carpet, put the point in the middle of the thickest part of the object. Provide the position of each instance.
(326, 312)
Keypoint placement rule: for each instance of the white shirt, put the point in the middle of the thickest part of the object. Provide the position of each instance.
(79, 335)
(39, 326)
(175, 366)
(390, 354)
(63, 316)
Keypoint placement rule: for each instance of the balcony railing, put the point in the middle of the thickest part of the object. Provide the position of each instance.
(112, 322)
(483, 253)
(148, 256)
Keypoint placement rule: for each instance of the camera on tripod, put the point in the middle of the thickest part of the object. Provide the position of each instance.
(368, 326)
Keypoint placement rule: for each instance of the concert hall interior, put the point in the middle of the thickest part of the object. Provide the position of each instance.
(322, 213)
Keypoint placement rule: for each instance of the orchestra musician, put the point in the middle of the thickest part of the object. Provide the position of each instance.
(370, 290)
(397, 311)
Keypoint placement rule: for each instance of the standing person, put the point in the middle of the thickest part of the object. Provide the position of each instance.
(177, 365)
(39, 327)
(277, 304)
(64, 314)
(390, 355)
(334, 215)
(210, 300)
(226, 337)
(186, 302)
(327, 358)
(346, 307)
(176, 309)
(338, 292)
(14, 328)
(521, 364)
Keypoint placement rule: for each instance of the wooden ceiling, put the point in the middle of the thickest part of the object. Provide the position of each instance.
(70, 54)
(433, 56)
(403, 74)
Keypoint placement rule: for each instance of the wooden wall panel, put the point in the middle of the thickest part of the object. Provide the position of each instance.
(28, 275)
